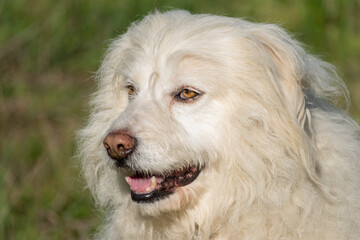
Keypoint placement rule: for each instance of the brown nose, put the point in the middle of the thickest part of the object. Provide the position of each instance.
(119, 144)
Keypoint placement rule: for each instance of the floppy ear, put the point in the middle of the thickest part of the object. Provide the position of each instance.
(286, 61)
(287, 69)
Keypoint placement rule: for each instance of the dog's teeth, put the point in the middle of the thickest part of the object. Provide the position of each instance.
(148, 189)
(153, 182)
(127, 179)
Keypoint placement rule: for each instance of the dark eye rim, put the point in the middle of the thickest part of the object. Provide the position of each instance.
(181, 99)
(128, 87)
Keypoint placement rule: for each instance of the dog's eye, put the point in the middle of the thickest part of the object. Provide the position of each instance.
(131, 90)
(188, 94)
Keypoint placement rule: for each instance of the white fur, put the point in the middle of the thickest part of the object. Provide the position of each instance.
(279, 161)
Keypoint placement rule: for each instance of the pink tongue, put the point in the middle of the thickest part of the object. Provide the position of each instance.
(139, 184)
(143, 185)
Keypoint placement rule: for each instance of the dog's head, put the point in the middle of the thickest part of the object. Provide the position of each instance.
(194, 107)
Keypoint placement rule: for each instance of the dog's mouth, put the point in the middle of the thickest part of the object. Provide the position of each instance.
(149, 188)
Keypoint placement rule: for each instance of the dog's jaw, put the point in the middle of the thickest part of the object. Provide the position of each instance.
(149, 188)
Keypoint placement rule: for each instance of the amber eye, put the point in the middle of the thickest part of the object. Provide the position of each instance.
(131, 90)
(187, 94)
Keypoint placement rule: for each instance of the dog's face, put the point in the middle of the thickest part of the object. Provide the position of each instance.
(188, 106)
(171, 130)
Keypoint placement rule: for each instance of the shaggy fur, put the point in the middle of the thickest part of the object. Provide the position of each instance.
(279, 162)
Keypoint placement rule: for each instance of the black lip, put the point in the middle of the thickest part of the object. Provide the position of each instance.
(149, 197)
(167, 187)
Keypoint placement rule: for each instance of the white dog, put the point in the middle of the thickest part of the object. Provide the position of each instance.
(209, 127)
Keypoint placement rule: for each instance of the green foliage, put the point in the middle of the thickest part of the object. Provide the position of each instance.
(48, 52)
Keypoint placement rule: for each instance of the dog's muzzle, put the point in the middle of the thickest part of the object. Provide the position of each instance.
(147, 187)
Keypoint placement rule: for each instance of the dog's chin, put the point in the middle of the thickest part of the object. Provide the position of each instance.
(174, 203)
(149, 189)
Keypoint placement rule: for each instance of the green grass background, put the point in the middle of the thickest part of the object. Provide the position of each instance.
(49, 51)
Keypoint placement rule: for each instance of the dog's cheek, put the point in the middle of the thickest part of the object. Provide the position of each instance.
(203, 126)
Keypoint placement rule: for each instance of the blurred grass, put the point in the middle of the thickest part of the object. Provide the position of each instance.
(48, 52)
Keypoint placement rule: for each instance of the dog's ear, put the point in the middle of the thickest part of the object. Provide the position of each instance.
(286, 68)
(285, 60)
(298, 75)
(299, 78)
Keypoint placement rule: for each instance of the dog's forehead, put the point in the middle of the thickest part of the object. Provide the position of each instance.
(172, 68)
(172, 52)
